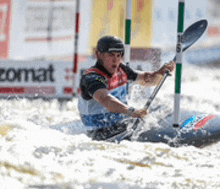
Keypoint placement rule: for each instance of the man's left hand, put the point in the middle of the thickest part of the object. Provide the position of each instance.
(167, 67)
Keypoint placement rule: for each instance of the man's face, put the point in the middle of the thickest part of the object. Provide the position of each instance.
(111, 60)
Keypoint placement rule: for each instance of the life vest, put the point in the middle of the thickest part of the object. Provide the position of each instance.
(93, 114)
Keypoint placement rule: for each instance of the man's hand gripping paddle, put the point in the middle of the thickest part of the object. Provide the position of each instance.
(190, 36)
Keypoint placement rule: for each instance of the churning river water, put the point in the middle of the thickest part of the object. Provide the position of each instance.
(43, 144)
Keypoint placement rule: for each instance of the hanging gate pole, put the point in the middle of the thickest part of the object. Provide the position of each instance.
(76, 59)
(128, 34)
(179, 49)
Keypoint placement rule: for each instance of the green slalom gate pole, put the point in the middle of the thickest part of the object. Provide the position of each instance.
(128, 34)
(179, 49)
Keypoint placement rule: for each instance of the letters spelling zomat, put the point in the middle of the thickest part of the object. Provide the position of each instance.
(19, 74)
(102, 104)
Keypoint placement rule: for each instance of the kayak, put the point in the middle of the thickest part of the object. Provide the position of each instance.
(197, 129)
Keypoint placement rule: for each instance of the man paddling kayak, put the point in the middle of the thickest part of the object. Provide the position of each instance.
(102, 104)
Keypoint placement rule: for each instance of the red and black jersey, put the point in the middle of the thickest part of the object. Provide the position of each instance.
(97, 77)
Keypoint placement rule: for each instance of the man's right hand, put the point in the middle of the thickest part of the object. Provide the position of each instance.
(141, 113)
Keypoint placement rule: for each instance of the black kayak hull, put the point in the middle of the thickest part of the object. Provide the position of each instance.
(197, 129)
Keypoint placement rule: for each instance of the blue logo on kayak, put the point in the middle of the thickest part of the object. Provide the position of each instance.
(191, 122)
(196, 122)
(188, 124)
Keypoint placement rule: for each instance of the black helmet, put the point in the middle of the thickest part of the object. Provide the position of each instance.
(110, 44)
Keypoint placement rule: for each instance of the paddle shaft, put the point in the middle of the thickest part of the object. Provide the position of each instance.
(151, 98)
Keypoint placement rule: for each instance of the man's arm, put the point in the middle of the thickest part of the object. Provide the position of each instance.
(153, 78)
(113, 105)
(149, 78)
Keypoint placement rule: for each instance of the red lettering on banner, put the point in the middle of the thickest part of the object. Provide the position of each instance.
(140, 5)
(8, 90)
(214, 31)
(28, 90)
(68, 90)
(40, 90)
(4, 28)
(110, 4)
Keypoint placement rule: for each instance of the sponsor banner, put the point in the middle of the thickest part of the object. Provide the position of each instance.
(42, 28)
(56, 21)
(142, 22)
(36, 79)
(5, 18)
(108, 18)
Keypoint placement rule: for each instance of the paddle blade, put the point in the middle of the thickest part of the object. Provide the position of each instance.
(193, 33)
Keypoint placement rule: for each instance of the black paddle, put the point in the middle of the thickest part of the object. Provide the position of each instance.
(190, 36)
